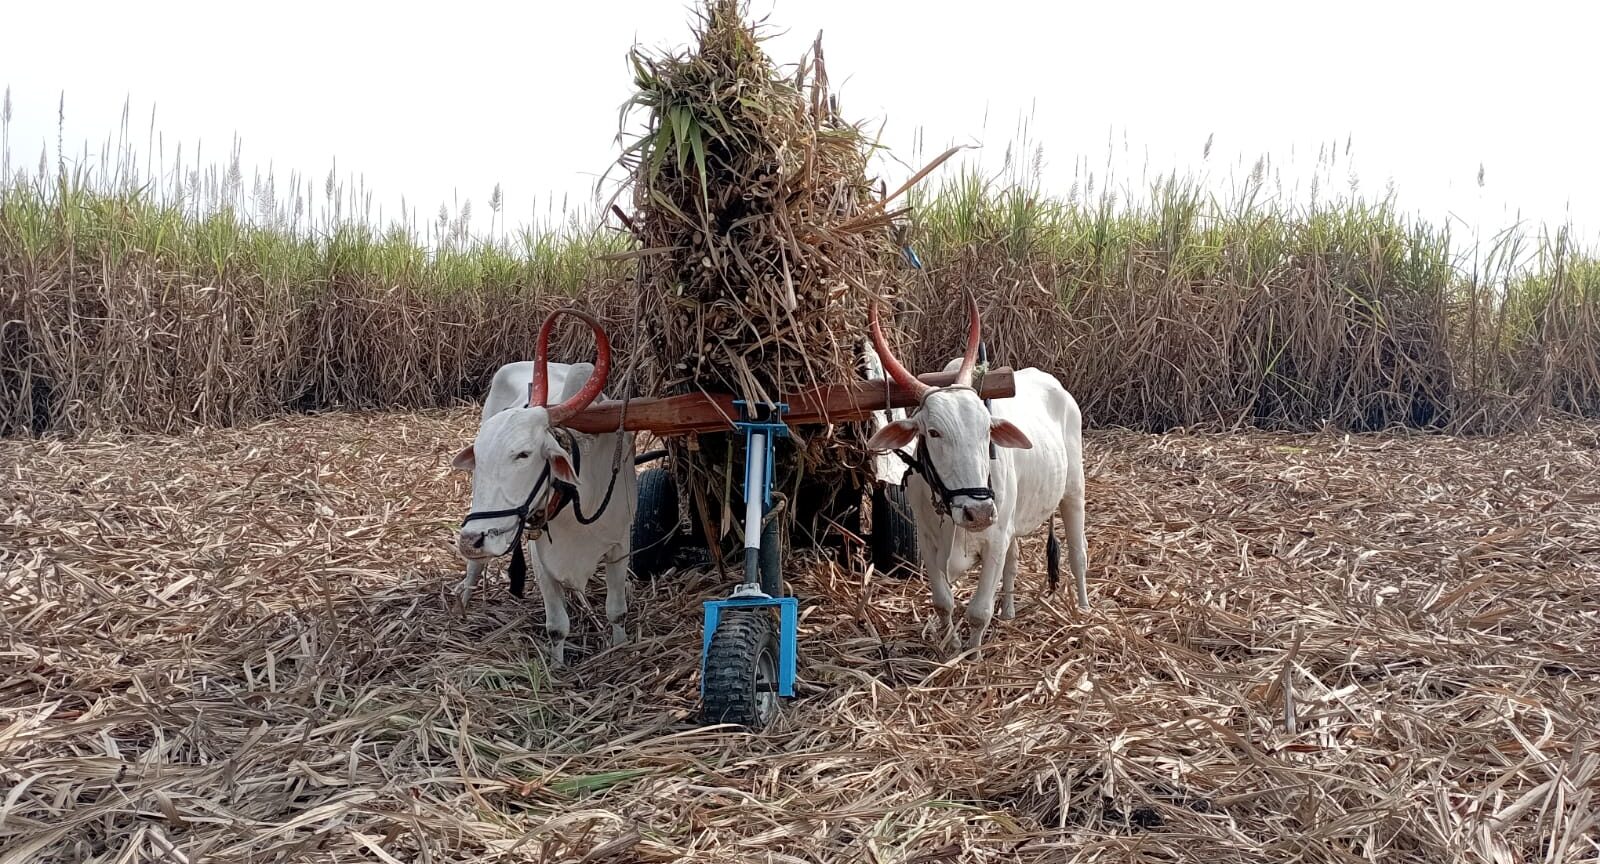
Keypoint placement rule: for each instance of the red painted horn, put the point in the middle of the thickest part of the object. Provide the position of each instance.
(891, 365)
(969, 362)
(539, 387)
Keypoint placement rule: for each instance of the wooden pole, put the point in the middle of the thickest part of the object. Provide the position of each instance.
(834, 403)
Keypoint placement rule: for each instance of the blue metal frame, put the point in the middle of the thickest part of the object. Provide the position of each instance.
(788, 623)
(788, 607)
(774, 430)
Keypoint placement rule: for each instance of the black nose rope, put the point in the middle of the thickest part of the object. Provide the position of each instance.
(942, 494)
(518, 569)
(564, 494)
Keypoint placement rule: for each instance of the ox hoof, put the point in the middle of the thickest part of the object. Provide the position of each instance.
(974, 648)
(619, 636)
(950, 644)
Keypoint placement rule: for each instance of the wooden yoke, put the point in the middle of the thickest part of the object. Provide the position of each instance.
(834, 403)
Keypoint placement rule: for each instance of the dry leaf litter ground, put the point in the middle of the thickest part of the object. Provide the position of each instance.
(232, 646)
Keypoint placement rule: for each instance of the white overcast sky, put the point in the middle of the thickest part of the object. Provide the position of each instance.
(438, 102)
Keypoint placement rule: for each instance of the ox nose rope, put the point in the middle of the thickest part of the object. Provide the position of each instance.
(943, 495)
(564, 494)
(521, 510)
(518, 569)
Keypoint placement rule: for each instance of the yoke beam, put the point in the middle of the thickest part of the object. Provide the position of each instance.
(833, 403)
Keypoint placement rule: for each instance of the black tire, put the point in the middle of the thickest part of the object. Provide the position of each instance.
(741, 683)
(655, 523)
(771, 560)
(894, 532)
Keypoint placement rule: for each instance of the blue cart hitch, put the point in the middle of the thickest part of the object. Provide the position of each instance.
(762, 425)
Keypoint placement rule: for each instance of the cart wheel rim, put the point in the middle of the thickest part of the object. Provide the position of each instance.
(766, 685)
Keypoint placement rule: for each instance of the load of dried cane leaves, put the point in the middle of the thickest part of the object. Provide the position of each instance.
(762, 241)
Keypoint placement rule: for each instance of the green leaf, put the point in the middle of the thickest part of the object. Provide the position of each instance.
(666, 204)
(658, 150)
(722, 121)
(641, 77)
(699, 145)
(681, 121)
(586, 784)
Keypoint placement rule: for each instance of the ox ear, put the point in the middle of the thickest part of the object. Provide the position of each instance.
(466, 460)
(896, 434)
(560, 462)
(1004, 433)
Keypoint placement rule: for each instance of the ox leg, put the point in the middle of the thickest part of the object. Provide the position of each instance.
(1071, 512)
(980, 609)
(556, 623)
(943, 601)
(935, 560)
(945, 604)
(463, 589)
(1008, 580)
(617, 591)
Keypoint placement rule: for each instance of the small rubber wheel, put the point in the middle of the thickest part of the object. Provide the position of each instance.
(771, 560)
(742, 671)
(655, 522)
(894, 532)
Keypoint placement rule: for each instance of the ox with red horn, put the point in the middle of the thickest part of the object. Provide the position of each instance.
(982, 476)
(529, 471)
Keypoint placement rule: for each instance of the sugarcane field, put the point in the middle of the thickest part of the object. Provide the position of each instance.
(816, 493)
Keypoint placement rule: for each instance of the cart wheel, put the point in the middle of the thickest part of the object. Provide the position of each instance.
(894, 532)
(771, 561)
(742, 671)
(655, 522)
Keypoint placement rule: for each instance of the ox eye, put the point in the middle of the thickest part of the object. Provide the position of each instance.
(523, 455)
(935, 433)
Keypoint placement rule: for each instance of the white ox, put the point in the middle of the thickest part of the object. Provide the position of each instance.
(969, 507)
(520, 449)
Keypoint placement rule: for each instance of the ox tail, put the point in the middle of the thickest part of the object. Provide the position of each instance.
(1052, 554)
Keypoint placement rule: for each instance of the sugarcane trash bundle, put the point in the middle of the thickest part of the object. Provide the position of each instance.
(761, 242)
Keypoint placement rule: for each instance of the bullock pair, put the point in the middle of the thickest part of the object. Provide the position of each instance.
(972, 502)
